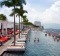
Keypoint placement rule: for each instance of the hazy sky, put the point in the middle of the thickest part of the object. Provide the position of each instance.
(45, 11)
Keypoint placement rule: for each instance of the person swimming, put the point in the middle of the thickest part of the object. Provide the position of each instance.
(35, 40)
(38, 40)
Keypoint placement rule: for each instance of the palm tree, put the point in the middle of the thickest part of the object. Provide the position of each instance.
(25, 20)
(2, 18)
(22, 14)
(19, 12)
(13, 3)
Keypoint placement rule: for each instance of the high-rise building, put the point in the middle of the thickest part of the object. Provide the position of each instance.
(37, 23)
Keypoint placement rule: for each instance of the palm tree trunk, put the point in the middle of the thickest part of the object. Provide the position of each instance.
(14, 28)
(19, 26)
(21, 23)
(1, 28)
(6, 28)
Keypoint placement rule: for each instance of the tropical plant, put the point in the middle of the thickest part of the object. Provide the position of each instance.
(2, 18)
(19, 12)
(25, 19)
(12, 3)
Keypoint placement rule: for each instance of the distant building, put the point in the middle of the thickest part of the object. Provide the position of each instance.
(6, 24)
(37, 23)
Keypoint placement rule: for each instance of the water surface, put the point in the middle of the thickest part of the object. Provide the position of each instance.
(46, 46)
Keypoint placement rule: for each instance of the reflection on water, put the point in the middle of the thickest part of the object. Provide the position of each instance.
(45, 46)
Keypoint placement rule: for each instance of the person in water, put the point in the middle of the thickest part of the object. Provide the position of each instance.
(35, 40)
(38, 40)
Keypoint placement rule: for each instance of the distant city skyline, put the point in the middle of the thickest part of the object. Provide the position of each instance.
(45, 11)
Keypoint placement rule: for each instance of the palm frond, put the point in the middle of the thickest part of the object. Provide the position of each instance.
(21, 2)
(6, 3)
(18, 11)
(12, 14)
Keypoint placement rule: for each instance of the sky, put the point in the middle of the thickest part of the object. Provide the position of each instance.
(45, 11)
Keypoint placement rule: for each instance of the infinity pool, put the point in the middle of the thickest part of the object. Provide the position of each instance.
(46, 46)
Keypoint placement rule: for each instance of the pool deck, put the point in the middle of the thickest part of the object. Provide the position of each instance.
(4, 47)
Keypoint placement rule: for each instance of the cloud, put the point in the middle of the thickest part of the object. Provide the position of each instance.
(33, 14)
(52, 14)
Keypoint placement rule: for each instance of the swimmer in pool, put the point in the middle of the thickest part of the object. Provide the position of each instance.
(35, 40)
(38, 40)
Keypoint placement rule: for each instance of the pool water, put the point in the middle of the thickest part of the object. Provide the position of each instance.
(46, 46)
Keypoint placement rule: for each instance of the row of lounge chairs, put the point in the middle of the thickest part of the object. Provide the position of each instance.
(20, 44)
(3, 38)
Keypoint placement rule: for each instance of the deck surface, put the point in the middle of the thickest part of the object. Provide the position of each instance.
(4, 47)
